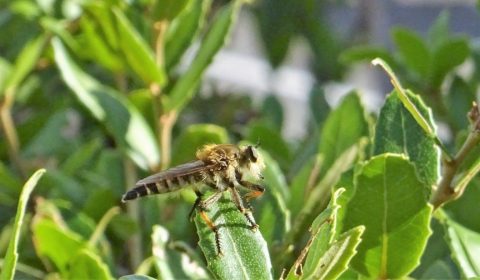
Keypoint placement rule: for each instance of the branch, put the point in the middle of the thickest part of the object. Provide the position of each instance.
(446, 191)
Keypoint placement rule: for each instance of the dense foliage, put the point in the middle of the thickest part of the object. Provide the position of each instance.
(93, 96)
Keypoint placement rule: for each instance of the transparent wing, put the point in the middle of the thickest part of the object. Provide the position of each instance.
(179, 170)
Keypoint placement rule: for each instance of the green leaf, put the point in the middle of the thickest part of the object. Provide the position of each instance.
(317, 197)
(56, 242)
(465, 248)
(194, 137)
(277, 27)
(122, 120)
(245, 252)
(25, 62)
(323, 231)
(101, 12)
(139, 55)
(336, 259)
(327, 258)
(461, 209)
(98, 48)
(183, 30)
(343, 128)
(274, 215)
(459, 99)
(168, 9)
(398, 132)
(11, 257)
(439, 31)
(388, 199)
(365, 53)
(87, 265)
(413, 50)
(215, 38)
(302, 183)
(446, 57)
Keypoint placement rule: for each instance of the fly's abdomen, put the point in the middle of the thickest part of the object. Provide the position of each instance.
(161, 186)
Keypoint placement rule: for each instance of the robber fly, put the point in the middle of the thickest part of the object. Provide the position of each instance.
(220, 167)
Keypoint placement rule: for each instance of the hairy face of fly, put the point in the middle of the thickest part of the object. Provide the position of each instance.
(252, 162)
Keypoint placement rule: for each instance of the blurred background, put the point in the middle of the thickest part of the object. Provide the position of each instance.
(303, 54)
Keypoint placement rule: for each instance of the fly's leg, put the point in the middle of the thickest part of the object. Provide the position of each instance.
(195, 204)
(202, 206)
(255, 190)
(237, 199)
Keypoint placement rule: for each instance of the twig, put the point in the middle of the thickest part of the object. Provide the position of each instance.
(166, 124)
(9, 130)
(135, 242)
(446, 191)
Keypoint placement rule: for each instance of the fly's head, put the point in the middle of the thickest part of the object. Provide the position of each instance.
(252, 161)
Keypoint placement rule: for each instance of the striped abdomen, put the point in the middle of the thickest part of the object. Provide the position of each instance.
(162, 185)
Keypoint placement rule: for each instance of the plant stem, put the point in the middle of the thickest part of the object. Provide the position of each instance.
(9, 130)
(135, 242)
(161, 28)
(102, 225)
(166, 123)
(445, 191)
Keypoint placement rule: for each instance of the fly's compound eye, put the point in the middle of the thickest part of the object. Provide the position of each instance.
(252, 153)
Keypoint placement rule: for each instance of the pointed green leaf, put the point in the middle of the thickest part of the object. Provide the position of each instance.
(343, 128)
(119, 116)
(87, 265)
(439, 31)
(365, 53)
(465, 248)
(389, 200)
(398, 132)
(11, 257)
(168, 9)
(447, 56)
(56, 242)
(25, 62)
(245, 252)
(138, 53)
(413, 50)
(183, 30)
(460, 98)
(323, 232)
(215, 38)
(336, 259)
(271, 208)
(97, 47)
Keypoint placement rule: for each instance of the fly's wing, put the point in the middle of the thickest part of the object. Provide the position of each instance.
(168, 180)
(182, 170)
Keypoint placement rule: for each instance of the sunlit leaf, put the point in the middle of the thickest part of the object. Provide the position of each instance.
(245, 252)
(398, 132)
(11, 257)
(138, 52)
(388, 199)
(111, 109)
(215, 38)
(465, 246)
(413, 50)
(183, 30)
